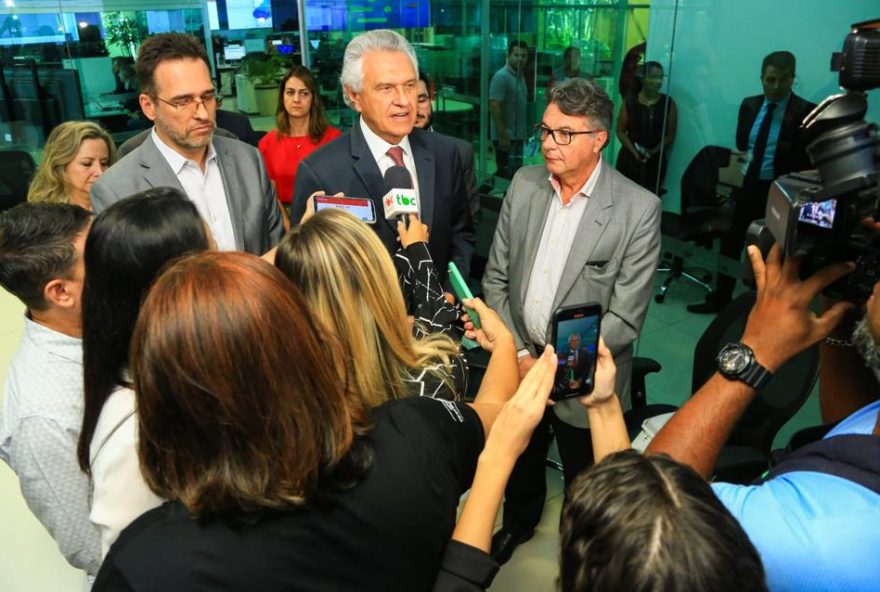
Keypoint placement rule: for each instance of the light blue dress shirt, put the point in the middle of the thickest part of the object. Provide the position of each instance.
(814, 531)
(766, 172)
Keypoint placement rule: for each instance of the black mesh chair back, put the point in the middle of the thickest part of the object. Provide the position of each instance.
(701, 220)
(779, 400)
(699, 182)
(17, 168)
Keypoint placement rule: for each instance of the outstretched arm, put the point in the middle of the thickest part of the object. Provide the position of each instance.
(781, 325)
(607, 427)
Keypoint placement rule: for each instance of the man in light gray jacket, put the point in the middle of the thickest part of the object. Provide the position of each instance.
(570, 232)
(224, 178)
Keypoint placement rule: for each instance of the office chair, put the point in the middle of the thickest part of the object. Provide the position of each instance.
(701, 219)
(17, 167)
(747, 452)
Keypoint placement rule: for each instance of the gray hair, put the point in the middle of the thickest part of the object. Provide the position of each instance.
(579, 97)
(353, 61)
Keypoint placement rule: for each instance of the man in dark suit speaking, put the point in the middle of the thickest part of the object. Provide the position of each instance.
(224, 178)
(768, 135)
(578, 361)
(379, 76)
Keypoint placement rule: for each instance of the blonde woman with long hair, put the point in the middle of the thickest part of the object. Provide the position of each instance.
(348, 278)
(76, 154)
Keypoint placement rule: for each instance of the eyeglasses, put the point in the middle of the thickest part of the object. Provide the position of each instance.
(562, 137)
(191, 104)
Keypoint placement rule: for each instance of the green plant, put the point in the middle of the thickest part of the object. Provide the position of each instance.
(263, 70)
(126, 33)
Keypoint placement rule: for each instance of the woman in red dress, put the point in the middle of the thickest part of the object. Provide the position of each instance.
(300, 127)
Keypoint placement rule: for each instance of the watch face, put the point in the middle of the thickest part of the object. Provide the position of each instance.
(733, 360)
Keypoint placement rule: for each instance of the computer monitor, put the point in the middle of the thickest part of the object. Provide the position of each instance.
(62, 87)
(234, 52)
(253, 45)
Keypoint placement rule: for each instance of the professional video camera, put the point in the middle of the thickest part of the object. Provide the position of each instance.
(818, 214)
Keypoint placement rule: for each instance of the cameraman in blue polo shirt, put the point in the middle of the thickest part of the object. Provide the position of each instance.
(814, 518)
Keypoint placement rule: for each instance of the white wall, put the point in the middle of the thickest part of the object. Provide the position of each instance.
(716, 48)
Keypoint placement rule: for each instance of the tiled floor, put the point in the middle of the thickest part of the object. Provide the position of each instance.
(30, 562)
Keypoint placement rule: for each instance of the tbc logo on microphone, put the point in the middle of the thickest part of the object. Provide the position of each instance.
(400, 199)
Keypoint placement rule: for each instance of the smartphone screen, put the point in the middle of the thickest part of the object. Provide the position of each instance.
(576, 340)
(359, 206)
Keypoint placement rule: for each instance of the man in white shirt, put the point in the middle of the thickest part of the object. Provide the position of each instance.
(380, 77)
(223, 177)
(41, 262)
(570, 232)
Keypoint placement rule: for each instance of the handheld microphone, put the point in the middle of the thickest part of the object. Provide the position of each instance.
(400, 199)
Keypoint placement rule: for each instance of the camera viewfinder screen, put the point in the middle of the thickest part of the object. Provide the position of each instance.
(819, 213)
(576, 342)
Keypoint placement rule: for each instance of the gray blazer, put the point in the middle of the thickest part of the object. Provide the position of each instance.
(612, 261)
(256, 217)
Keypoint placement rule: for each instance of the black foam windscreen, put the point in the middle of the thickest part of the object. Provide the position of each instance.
(397, 177)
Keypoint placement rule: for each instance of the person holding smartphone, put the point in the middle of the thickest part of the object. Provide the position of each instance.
(620, 512)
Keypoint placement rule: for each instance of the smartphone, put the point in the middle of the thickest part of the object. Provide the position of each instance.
(460, 287)
(361, 207)
(576, 340)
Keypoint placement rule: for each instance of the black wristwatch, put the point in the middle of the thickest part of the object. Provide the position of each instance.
(736, 361)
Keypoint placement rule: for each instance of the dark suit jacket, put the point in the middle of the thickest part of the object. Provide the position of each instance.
(791, 149)
(466, 153)
(253, 207)
(240, 125)
(582, 362)
(347, 165)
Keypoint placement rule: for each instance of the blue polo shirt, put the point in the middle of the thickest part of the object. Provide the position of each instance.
(814, 531)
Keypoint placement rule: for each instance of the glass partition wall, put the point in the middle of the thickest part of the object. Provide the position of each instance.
(73, 60)
(66, 60)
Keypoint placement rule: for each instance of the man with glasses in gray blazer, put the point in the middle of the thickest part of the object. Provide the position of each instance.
(570, 232)
(224, 178)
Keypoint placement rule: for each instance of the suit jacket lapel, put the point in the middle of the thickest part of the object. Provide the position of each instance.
(365, 166)
(589, 232)
(157, 171)
(231, 187)
(424, 160)
(539, 206)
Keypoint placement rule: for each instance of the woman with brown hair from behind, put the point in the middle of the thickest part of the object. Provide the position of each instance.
(280, 476)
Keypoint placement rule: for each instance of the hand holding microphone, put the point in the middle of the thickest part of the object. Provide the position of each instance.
(400, 199)
(416, 232)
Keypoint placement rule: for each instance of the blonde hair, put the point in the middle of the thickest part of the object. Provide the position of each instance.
(49, 183)
(348, 278)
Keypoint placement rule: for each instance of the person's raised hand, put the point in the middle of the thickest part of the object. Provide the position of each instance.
(512, 430)
(782, 322)
(492, 329)
(415, 233)
(524, 364)
(606, 375)
(310, 204)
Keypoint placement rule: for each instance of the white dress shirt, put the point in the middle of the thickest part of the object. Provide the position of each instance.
(557, 238)
(204, 189)
(119, 493)
(379, 149)
(39, 430)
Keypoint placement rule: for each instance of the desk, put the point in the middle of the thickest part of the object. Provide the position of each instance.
(111, 115)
